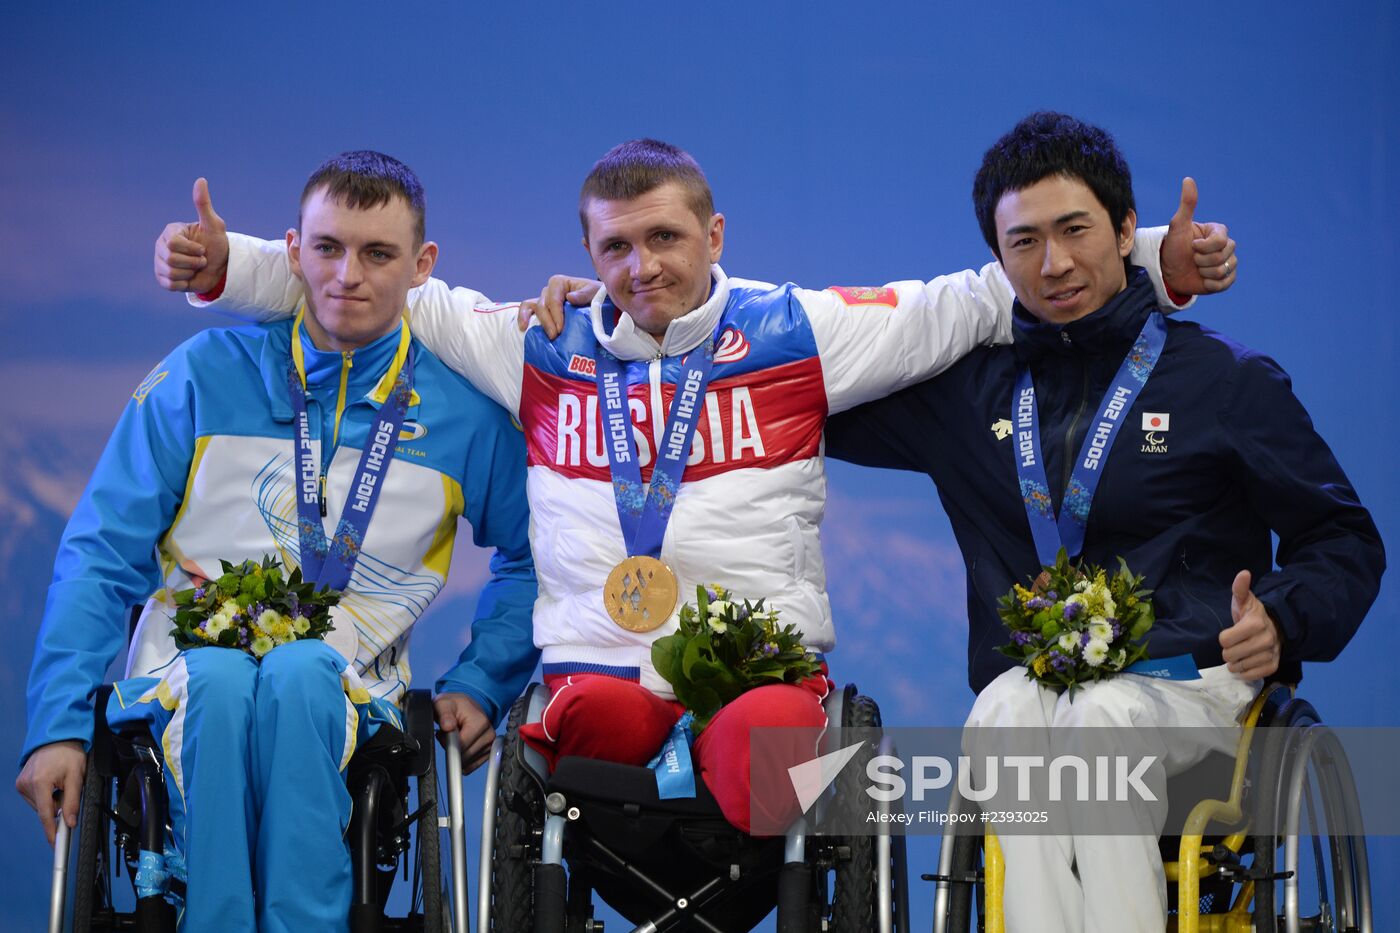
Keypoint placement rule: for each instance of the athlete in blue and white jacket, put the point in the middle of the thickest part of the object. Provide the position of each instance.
(200, 469)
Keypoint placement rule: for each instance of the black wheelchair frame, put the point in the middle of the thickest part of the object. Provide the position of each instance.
(124, 809)
(673, 865)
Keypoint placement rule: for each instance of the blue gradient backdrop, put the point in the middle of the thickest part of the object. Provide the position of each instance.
(841, 142)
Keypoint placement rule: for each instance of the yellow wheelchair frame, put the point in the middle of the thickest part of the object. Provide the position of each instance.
(1308, 742)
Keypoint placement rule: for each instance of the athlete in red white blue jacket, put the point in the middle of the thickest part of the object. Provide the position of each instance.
(748, 512)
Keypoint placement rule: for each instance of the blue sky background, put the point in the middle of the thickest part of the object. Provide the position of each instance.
(840, 139)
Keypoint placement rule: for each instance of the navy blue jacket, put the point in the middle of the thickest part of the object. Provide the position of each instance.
(1188, 507)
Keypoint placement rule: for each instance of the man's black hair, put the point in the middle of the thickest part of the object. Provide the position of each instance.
(1045, 144)
(364, 178)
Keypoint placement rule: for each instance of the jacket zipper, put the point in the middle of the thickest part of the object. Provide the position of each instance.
(328, 452)
(1071, 452)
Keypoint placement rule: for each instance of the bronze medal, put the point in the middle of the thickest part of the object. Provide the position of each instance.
(640, 594)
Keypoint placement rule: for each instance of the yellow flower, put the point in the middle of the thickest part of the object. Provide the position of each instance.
(261, 645)
(1040, 665)
(1023, 594)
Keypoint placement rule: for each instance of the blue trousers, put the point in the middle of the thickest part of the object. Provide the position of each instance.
(255, 752)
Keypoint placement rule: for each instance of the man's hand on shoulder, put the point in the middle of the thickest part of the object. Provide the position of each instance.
(1252, 646)
(1197, 258)
(193, 257)
(457, 712)
(548, 309)
(58, 766)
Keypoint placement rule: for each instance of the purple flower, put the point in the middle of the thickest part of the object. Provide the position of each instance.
(1052, 596)
(1117, 629)
(1020, 638)
(1059, 661)
(199, 592)
(1072, 610)
(1035, 602)
(711, 595)
(1084, 639)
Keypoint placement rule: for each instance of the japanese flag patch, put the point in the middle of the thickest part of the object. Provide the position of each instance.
(1156, 421)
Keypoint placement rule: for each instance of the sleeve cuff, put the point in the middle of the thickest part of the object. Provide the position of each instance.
(214, 293)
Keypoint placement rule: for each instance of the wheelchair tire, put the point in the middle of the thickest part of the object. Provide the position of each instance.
(429, 846)
(966, 864)
(92, 841)
(515, 849)
(1339, 881)
(854, 896)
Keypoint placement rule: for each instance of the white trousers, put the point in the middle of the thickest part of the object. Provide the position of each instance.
(1119, 886)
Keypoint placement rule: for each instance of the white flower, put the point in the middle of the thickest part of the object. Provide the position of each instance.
(1069, 642)
(1081, 586)
(301, 624)
(229, 608)
(1120, 657)
(218, 623)
(1099, 628)
(719, 607)
(261, 645)
(1095, 652)
(269, 620)
(1075, 599)
(718, 626)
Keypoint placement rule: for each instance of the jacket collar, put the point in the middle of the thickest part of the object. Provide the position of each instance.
(1109, 330)
(629, 342)
(285, 340)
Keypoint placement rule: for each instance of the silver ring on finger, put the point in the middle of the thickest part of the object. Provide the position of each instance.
(1227, 268)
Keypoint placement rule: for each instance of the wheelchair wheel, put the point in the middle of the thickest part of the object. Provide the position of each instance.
(862, 864)
(965, 867)
(516, 848)
(93, 830)
(1309, 792)
(429, 845)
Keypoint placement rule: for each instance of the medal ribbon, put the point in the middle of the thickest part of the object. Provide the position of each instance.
(644, 517)
(1051, 534)
(329, 564)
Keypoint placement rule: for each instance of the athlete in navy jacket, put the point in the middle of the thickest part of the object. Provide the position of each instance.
(1213, 453)
(1187, 506)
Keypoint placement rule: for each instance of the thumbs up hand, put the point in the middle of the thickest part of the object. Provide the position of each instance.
(193, 257)
(1250, 647)
(1197, 258)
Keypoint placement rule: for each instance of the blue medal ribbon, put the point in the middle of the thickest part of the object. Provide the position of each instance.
(1052, 534)
(644, 516)
(328, 564)
(1177, 667)
(675, 772)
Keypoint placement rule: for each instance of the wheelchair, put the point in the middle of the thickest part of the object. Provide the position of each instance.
(124, 810)
(1230, 881)
(675, 864)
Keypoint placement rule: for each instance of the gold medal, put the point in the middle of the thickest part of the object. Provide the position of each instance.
(641, 594)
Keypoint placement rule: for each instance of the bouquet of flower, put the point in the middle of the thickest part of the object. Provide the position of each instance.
(252, 607)
(1075, 624)
(723, 648)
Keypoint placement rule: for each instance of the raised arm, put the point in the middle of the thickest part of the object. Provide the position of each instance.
(251, 279)
(874, 341)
